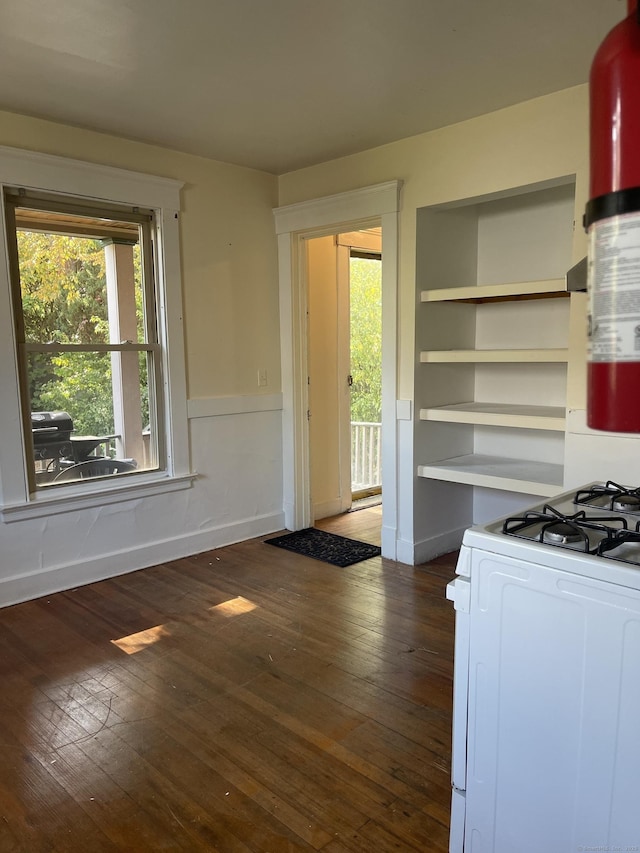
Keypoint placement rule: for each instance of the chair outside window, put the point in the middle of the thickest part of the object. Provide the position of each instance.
(99, 467)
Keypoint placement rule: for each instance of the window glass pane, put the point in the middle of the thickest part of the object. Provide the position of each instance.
(79, 403)
(82, 302)
(79, 288)
(75, 382)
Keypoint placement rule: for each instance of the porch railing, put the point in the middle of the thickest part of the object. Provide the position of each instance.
(366, 455)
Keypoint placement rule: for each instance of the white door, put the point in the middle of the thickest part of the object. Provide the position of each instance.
(328, 361)
(329, 367)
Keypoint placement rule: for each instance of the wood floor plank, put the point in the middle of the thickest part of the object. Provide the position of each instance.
(243, 700)
(282, 772)
(36, 810)
(228, 808)
(112, 809)
(362, 773)
(182, 823)
(246, 782)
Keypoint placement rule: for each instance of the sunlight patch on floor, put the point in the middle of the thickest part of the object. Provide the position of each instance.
(234, 607)
(141, 640)
(134, 643)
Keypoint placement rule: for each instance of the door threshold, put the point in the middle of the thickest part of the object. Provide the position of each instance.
(366, 502)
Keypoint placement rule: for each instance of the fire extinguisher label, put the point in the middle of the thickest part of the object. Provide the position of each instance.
(614, 289)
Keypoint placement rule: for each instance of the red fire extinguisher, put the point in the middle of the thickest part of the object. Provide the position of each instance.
(612, 220)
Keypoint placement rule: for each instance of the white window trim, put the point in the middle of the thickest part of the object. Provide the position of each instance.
(111, 492)
(44, 172)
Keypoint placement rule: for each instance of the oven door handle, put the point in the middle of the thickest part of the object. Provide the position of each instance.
(459, 591)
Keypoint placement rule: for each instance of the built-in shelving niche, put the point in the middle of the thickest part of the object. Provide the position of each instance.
(492, 333)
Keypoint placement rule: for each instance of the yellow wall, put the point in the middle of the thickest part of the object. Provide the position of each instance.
(229, 262)
(524, 144)
(228, 245)
(324, 380)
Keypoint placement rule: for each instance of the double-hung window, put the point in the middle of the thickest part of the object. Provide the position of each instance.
(92, 287)
(89, 359)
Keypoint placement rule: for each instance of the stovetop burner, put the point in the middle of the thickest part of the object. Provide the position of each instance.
(593, 530)
(623, 545)
(551, 527)
(561, 533)
(610, 496)
(626, 503)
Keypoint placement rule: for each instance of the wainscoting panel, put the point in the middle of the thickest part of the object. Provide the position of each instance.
(236, 495)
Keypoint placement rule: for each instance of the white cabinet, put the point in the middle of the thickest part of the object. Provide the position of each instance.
(492, 334)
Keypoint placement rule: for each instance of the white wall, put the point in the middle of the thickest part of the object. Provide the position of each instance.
(526, 144)
(229, 268)
(230, 297)
(520, 145)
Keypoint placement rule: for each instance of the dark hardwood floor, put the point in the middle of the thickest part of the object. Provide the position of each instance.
(245, 699)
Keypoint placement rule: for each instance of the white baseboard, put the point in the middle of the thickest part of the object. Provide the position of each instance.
(388, 541)
(48, 581)
(413, 554)
(404, 552)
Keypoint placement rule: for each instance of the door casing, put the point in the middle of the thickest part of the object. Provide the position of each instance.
(295, 223)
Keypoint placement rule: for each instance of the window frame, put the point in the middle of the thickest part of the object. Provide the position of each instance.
(101, 186)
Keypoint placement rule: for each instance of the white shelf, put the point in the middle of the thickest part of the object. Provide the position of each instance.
(500, 387)
(499, 414)
(479, 356)
(548, 288)
(511, 475)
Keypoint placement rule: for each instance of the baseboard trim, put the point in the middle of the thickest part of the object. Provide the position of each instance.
(405, 552)
(414, 553)
(48, 581)
(428, 549)
(389, 544)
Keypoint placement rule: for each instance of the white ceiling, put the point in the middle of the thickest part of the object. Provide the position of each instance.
(282, 84)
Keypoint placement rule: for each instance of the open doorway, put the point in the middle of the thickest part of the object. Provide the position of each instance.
(365, 374)
(344, 315)
(297, 223)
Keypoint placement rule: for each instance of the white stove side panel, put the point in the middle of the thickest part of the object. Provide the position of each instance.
(554, 692)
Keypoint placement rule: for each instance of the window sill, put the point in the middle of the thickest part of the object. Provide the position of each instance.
(79, 498)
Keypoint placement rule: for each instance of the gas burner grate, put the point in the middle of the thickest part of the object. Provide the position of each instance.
(610, 496)
(628, 543)
(554, 528)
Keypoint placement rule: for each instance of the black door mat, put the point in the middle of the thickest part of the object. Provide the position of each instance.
(328, 547)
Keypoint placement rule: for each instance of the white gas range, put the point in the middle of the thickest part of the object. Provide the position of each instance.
(546, 722)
